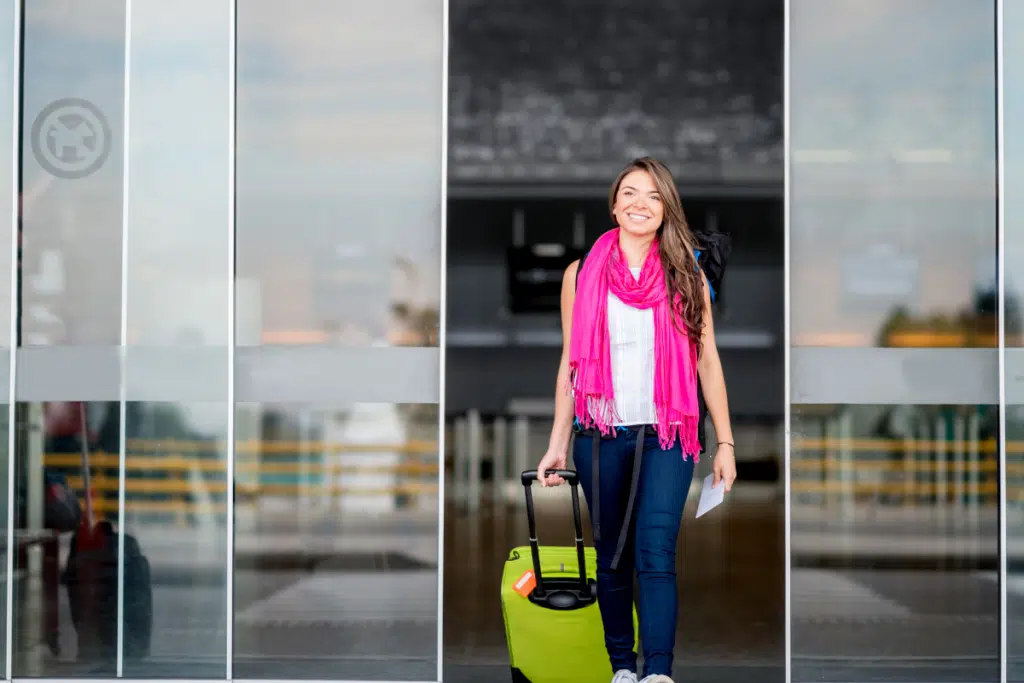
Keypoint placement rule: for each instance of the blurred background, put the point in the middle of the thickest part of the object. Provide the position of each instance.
(228, 324)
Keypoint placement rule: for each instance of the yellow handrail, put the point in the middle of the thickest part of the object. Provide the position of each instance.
(160, 475)
(165, 470)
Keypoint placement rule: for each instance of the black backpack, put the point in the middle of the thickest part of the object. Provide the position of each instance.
(713, 249)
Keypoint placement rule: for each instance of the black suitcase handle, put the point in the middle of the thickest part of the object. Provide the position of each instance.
(564, 594)
(530, 476)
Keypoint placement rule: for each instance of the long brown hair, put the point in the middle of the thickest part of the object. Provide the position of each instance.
(676, 248)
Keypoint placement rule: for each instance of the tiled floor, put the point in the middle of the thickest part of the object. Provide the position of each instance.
(344, 600)
(731, 582)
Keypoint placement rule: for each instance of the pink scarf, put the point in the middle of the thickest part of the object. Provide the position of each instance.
(675, 355)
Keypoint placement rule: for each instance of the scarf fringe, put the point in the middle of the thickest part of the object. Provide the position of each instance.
(681, 427)
(593, 410)
(596, 411)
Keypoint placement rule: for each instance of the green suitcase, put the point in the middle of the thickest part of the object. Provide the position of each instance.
(555, 634)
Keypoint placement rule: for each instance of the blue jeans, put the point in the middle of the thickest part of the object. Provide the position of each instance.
(650, 548)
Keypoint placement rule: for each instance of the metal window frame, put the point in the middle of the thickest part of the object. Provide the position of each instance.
(123, 345)
(229, 581)
(442, 337)
(787, 339)
(1001, 298)
(13, 334)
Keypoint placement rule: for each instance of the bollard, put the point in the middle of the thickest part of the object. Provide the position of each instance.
(959, 458)
(521, 450)
(475, 455)
(499, 481)
(941, 469)
(459, 465)
(910, 466)
(848, 502)
(973, 469)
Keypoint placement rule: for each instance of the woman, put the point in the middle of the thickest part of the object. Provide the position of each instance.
(627, 384)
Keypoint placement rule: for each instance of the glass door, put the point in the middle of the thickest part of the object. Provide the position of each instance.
(1012, 88)
(338, 190)
(227, 338)
(894, 481)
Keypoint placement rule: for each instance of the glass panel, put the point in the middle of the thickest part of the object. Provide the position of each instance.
(339, 172)
(8, 104)
(1013, 217)
(338, 263)
(8, 111)
(177, 295)
(73, 105)
(38, 618)
(336, 541)
(894, 468)
(70, 317)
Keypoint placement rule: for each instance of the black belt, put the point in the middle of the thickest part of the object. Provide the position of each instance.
(595, 517)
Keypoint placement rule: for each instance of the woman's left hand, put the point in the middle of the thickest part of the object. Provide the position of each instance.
(725, 466)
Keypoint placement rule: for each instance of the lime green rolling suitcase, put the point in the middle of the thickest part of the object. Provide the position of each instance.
(554, 633)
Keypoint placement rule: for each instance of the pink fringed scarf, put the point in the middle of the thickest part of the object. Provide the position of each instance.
(675, 355)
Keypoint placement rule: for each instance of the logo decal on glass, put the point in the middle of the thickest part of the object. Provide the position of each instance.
(71, 138)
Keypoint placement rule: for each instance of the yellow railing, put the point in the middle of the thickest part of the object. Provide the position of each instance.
(166, 483)
(907, 471)
(918, 471)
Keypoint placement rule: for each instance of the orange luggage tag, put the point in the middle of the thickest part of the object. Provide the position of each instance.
(526, 583)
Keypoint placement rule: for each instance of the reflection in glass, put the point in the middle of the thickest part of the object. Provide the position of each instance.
(177, 302)
(1014, 519)
(43, 628)
(336, 542)
(176, 511)
(895, 502)
(337, 246)
(893, 178)
(1013, 245)
(65, 599)
(71, 223)
(71, 199)
(8, 104)
(895, 542)
(8, 109)
(339, 172)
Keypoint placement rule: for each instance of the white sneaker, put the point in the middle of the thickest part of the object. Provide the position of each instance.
(624, 676)
(655, 678)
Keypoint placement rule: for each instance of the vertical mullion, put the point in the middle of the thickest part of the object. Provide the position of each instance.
(231, 230)
(123, 345)
(441, 340)
(13, 331)
(786, 335)
(1001, 302)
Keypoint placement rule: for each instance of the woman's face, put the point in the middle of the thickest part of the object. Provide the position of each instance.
(638, 208)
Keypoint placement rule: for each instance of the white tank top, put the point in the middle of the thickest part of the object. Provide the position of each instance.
(631, 337)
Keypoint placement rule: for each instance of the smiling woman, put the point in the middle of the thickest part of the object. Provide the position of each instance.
(637, 331)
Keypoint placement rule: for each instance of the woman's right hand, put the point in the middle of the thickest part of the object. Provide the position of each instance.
(552, 460)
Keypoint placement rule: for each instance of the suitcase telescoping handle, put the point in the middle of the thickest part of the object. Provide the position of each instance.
(530, 476)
